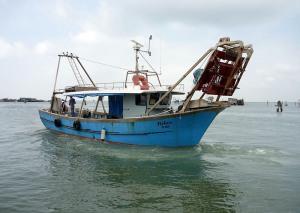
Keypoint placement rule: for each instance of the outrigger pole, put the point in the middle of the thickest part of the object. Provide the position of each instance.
(181, 79)
(191, 93)
(236, 67)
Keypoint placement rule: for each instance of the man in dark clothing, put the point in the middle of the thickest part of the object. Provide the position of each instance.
(64, 107)
(72, 103)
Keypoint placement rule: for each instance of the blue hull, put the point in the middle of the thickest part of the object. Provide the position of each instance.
(176, 130)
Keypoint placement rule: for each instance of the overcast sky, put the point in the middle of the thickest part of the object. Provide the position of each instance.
(32, 33)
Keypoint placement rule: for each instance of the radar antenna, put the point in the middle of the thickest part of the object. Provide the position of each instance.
(138, 49)
(138, 52)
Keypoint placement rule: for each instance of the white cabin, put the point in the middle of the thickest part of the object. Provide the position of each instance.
(130, 103)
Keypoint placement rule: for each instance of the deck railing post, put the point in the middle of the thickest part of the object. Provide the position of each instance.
(80, 112)
(103, 105)
(97, 104)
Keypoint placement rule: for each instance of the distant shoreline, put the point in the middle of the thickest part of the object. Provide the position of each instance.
(23, 100)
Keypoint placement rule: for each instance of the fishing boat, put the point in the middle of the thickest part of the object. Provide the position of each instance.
(138, 111)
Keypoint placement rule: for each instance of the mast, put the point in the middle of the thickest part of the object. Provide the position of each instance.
(137, 48)
(55, 82)
(139, 53)
(72, 59)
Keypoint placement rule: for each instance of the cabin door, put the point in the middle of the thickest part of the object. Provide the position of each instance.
(115, 106)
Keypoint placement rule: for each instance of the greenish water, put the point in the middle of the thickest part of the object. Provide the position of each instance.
(249, 162)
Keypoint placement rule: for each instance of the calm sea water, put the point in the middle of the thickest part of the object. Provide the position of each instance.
(249, 161)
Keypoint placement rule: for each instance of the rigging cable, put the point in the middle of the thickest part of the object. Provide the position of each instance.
(148, 63)
(74, 62)
(160, 56)
(73, 70)
(108, 65)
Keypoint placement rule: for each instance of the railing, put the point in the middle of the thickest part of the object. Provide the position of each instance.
(122, 85)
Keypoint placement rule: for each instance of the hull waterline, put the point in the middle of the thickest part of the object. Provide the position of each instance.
(174, 130)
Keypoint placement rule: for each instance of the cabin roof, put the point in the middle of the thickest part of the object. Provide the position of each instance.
(95, 93)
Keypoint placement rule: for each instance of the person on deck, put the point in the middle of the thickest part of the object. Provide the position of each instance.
(72, 103)
(64, 107)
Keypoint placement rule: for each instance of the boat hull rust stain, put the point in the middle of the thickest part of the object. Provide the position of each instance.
(174, 130)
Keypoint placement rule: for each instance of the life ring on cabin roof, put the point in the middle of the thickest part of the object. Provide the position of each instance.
(140, 80)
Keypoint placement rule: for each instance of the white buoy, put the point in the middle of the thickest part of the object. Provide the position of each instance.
(103, 132)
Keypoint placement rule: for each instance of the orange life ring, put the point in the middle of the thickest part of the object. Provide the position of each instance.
(140, 80)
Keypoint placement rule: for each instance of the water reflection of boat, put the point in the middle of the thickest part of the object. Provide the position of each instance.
(140, 112)
(178, 178)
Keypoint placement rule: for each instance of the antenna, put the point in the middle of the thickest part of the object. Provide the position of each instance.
(150, 38)
(137, 45)
(139, 50)
(160, 56)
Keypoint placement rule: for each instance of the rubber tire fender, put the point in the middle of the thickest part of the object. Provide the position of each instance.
(57, 122)
(77, 125)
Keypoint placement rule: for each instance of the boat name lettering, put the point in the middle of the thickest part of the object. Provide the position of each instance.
(164, 124)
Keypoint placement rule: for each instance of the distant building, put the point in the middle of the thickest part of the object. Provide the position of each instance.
(29, 100)
(235, 101)
(8, 100)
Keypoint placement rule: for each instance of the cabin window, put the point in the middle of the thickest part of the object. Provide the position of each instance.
(154, 97)
(165, 101)
(141, 100)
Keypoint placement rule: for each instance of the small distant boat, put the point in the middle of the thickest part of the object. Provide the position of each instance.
(139, 112)
(279, 105)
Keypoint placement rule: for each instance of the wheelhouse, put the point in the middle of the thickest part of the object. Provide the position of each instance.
(115, 104)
